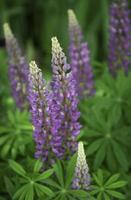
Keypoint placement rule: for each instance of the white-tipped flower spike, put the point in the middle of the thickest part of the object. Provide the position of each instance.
(81, 177)
(80, 58)
(18, 69)
(39, 99)
(74, 27)
(67, 126)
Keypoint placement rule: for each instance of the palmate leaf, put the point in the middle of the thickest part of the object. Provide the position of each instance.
(16, 134)
(59, 172)
(44, 175)
(43, 189)
(112, 179)
(110, 159)
(53, 184)
(94, 146)
(10, 188)
(120, 155)
(114, 115)
(31, 186)
(118, 184)
(100, 155)
(106, 197)
(37, 166)
(21, 193)
(91, 133)
(70, 171)
(17, 168)
(115, 194)
(106, 187)
(79, 193)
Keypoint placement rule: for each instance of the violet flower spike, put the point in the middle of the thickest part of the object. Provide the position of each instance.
(65, 96)
(80, 58)
(119, 38)
(39, 98)
(81, 177)
(18, 69)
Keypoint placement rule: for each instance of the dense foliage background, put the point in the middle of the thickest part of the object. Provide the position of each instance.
(106, 117)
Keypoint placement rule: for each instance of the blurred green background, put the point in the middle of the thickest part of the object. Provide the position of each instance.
(34, 22)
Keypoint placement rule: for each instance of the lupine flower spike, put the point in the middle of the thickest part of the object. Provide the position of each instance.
(65, 97)
(81, 177)
(80, 58)
(119, 38)
(18, 69)
(39, 98)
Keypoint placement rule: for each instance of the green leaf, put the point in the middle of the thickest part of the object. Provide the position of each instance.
(30, 193)
(9, 186)
(112, 179)
(59, 172)
(100, 155)
(114, 115)
(44, 175)
(94, 146)
(53, 183)
(70, 170)
(91, 133)
(115, 194)
(97, 180)
(118, 184)
(17, 168)
(110, 158)
(99, 197)
(78, 193)
(106, 197)
(43, 189)
(21, 193)
(100, 176)
(37, 166)
(120, 156)
(3, 139)
(11, 117)
(6, 148)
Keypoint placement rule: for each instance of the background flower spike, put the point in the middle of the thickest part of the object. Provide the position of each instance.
(18, 69)
(80, 58)
(119, 37)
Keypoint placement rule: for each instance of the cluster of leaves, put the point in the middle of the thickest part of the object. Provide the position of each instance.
(16, 135)
(107, 125)
(55, 183)
(105, 188)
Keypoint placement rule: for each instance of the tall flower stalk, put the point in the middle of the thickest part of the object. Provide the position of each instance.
(65, 96)
(18, 69)
(119, 38)
(39, 98)
(81, 177)
(80, 58)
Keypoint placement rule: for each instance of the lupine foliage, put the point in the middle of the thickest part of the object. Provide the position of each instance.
(81, 145)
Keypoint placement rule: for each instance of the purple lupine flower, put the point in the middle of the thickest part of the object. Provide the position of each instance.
(65, 96)
(80, 58)
(18, 69)
(40, 100)
(119, 39)
(81, 176)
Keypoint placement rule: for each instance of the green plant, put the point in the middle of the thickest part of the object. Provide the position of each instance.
(31, 183)
(105, 187)
(15, 135)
